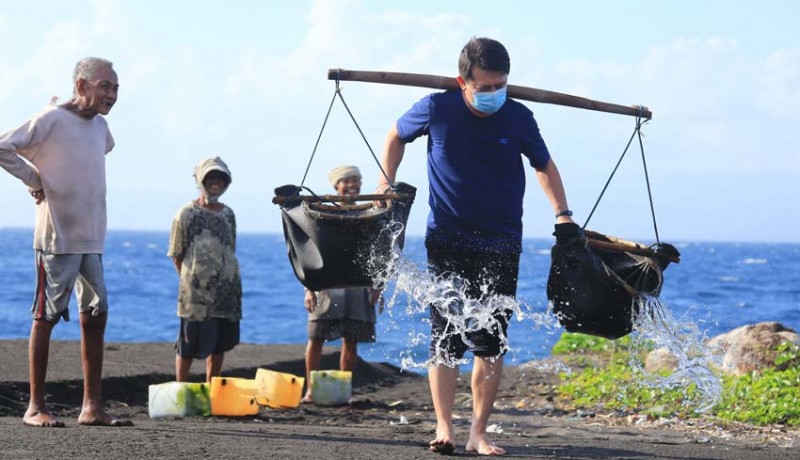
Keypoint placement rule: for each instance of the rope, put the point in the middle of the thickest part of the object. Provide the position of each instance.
(338, 92)
(647, 178)
(333, 99)
(609, 178)
(637, 132)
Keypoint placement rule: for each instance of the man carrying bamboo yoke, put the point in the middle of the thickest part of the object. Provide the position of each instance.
(474, 229)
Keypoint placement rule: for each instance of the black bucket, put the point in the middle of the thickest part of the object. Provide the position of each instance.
(594, 290)
(336, 246)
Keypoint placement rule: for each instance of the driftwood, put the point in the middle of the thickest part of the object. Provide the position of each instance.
(516, 92)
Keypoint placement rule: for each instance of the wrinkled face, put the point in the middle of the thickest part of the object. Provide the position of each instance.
(215, 183)
(100, 92)
(350, 185)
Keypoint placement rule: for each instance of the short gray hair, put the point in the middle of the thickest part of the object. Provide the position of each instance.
(87, 67)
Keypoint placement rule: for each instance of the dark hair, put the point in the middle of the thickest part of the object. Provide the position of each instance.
(485, 53)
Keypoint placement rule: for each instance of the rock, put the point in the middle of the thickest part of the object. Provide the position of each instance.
(660, 359)
(751, 348)
(741, 351)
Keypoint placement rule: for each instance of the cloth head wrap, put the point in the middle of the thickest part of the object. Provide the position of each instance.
(206, 166)
(340, 172)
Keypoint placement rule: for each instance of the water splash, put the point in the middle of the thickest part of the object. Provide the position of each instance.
(415, 290)
(655, 325)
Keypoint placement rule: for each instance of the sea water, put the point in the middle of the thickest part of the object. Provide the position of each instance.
(716, 287)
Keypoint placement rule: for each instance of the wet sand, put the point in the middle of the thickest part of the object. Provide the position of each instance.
(390, 417)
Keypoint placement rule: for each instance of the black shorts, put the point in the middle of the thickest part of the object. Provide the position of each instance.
(497, 273)
(199, 339)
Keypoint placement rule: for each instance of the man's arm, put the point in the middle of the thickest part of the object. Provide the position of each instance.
(393, 150)
(550, 181)
(310, 300)
(12, 161)
(21, 169)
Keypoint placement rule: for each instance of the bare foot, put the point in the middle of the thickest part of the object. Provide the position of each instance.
(483, 446)
(307, 399)
(101, 418)
(41, 419)
(444, 443)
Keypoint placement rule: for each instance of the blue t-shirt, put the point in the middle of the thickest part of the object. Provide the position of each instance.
(475, 170)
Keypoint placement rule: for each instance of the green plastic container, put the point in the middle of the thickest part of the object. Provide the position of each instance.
(331, 388)
(178, 399)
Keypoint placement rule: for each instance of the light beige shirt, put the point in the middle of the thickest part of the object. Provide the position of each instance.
(65, 155)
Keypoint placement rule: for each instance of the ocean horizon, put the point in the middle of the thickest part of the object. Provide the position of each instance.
(717, 285)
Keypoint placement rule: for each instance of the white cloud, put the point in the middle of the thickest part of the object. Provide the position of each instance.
(48, 70)
(778, 84)
(109, 20)
(721, 105)
(346, 34)
(713, 103)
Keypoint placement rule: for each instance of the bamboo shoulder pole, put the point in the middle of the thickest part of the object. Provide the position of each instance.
(517, 92)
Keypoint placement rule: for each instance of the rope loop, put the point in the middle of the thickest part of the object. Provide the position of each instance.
(338, 93)
(637, 133)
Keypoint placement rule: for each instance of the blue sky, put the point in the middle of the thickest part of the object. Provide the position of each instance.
(247, 81)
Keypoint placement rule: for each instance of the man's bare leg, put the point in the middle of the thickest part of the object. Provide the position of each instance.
(443, 381)
(349, 355)
(486, 376)
(38, 353)
(182, 368)
(313, 357)
(93, 330)
(214, 365)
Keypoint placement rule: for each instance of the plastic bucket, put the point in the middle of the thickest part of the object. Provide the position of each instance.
(178, 399)
(233, 396)
(331, 388)
(278, 389)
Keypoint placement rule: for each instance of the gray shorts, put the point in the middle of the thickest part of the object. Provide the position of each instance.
(58, 274)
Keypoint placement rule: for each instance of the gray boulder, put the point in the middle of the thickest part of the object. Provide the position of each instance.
(743, 350)
(751, 348)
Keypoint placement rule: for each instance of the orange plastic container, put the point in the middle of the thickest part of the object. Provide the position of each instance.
(233, 396)
(278, 389)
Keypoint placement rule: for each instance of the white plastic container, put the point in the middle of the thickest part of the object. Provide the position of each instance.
(178, 399)
(331, 388)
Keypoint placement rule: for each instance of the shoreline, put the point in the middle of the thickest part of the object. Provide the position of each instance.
(390, 416)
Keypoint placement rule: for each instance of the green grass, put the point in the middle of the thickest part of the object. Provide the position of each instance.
(604, 379)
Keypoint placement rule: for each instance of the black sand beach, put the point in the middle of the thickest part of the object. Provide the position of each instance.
(390, 417)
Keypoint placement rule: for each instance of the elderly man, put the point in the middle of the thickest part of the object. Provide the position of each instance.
(476, 139)
(60, 155)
